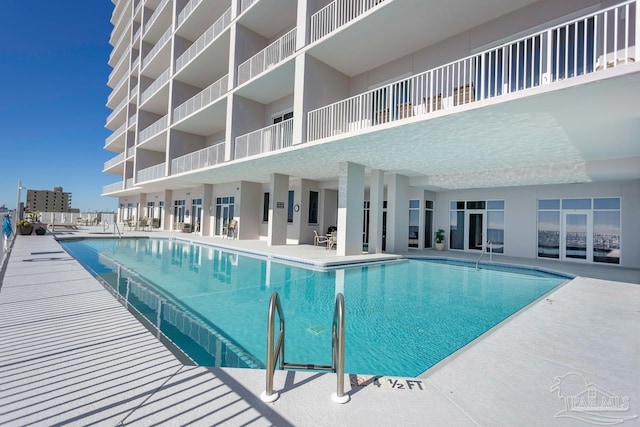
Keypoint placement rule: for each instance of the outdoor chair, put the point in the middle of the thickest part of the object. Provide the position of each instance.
(318, 239)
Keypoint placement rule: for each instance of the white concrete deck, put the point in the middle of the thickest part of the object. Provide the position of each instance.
(72, 355)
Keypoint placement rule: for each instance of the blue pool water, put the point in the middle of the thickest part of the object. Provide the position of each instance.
(401, 317)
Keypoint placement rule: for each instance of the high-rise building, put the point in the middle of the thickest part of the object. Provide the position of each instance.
(512, 125)
(48, 201)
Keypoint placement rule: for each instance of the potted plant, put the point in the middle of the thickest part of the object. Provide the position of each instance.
(41, 229)
(25, 227)
(440, 239)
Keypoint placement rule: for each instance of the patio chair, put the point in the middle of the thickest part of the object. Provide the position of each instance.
(232, 228)
(333, 240)
(318, 239)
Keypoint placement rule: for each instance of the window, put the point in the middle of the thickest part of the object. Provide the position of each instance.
(606, 230)
(265, 207)
(282, 117)
(290, 207)
(605, 244)
(495, 225)
(428, 224)
(313, 207)
(178, 210)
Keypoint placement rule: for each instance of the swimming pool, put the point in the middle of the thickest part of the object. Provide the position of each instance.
(401, 317)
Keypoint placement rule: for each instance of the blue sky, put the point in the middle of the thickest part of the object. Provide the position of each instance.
(53, 91)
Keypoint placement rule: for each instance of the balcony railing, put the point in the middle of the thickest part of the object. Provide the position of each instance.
(116, 47)
(246, 4)
(115, 67)
(114, 161)
(135, 63)
(157, 84)
(131, 151)
(133, 119)
(276, 52)
(116, 133)
(155, 15)
(199, 159)
(186, 11)
(111, 188)
(115, 90)
(271, 138)
(134, 92)
(153, 52)
(128, 183)
(154, 129)
(586, 45)
(201, 100)
(204, 40)
(149, 174)
(336, 14)
(117, 110)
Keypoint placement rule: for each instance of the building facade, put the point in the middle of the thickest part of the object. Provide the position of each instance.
(55, 200)
(511, 124)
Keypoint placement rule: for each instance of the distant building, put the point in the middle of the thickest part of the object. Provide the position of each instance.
(48, 201)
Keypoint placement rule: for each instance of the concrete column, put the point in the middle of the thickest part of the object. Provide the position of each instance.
(300, 118)
(143, 206)
(208, 209)
(397, 213)
(278, 198)
(376, 199)
(168, 210)
(350, 205)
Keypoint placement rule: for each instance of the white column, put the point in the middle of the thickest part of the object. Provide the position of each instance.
(397, 213)
(350, 206)
(208, 210)
(278, 198)
(376, 200)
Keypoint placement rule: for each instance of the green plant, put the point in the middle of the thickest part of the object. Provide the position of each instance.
(23, 223)
(440, 235)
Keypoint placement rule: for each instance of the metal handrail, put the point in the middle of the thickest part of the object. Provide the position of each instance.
(275, 353)
(337, 360)
(116, 228)
(484, 249)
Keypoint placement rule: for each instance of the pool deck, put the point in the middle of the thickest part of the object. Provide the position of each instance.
(73, 355)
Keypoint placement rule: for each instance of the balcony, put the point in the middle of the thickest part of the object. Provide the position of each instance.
(155, 86)
(114, 161)
(156, 48)
(199, 159)
(246, 4)
(155, 15)
(118, 115)
(590, 44)
(115, 135)
(205, 40)
(201, 100)
(149, 174)
(271, 138)
(276, 52)
(336, 14)
(154, 130)
(112, 188)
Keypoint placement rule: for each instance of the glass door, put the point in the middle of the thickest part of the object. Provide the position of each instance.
(577, 240)
(224, 213)
(475, 231)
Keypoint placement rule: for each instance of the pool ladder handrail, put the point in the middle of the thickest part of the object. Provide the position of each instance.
(484, 249)
(275, 354)
(116, 228)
